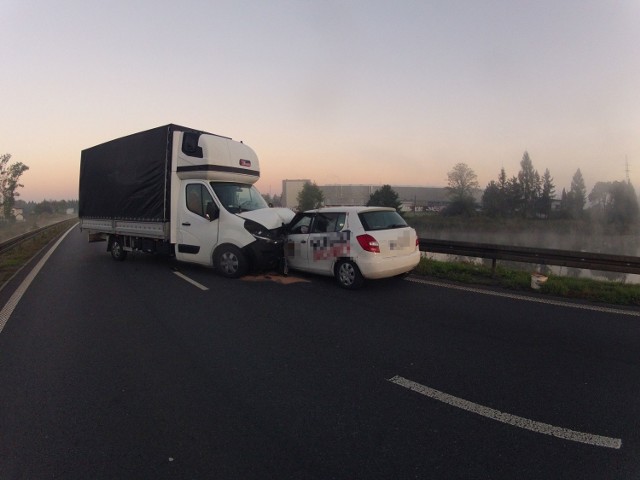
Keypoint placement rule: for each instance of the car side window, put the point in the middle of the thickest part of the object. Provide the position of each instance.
(328, 222)
(301, 223)
(198, 198)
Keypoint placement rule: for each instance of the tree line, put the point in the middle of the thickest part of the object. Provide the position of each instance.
(47, 206)
(531, 195)
(528, 195)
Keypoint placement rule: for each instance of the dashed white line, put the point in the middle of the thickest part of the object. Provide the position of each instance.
(191, 281)
(521, 422)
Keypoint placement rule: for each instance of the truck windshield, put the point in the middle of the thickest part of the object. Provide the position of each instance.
(238, 197)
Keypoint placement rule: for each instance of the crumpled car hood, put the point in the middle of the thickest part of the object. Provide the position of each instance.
(269, 217)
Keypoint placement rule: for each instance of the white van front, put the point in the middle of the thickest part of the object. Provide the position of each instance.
(228, 225)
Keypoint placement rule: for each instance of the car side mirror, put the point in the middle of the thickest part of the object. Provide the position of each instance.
(213, 212)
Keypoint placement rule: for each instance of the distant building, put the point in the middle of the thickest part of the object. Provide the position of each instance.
(412, 198)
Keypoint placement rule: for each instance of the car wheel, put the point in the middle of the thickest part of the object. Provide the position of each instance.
(117, 251)
(230, 261)
(348, 275)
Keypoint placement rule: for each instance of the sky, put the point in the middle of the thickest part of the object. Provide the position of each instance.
(338, 92)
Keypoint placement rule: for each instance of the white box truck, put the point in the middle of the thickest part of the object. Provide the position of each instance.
(182, 192)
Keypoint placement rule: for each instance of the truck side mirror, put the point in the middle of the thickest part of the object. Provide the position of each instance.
(213, 211)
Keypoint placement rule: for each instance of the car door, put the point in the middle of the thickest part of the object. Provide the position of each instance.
(327, 242)
(297, 247)
(197, 230)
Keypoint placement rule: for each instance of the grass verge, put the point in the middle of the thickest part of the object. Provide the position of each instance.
(615, 293)
(14, 259)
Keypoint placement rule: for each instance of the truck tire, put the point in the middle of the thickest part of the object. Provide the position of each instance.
(348, 275)
(230, 262)
(117, 252)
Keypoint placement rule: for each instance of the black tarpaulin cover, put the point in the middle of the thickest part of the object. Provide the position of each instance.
(128, 178)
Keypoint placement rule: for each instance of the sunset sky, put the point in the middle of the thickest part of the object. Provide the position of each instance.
(340, 92)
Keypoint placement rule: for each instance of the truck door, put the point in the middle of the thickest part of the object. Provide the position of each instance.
(198, 224)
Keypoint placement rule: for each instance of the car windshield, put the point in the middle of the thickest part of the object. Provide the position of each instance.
(238, 197)
(381, 220)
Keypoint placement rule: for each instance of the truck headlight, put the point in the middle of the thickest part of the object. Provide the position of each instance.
(258, 231)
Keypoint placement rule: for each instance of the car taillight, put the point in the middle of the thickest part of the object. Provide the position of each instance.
(368, 243)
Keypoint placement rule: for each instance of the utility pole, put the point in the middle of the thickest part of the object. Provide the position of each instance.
(626, 168)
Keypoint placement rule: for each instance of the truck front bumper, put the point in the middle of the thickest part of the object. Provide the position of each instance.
(265, 255)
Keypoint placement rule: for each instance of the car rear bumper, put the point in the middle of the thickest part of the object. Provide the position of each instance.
(374, 266)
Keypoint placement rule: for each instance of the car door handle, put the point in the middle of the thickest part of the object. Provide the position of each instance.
(303, 241)
(186, 224)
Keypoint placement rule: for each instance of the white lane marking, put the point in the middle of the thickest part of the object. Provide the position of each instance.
(12, 303)
(521, 422)
(558, 303)
(191, 281)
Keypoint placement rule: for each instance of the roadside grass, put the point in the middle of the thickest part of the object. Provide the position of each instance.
(13, 260)
(616, 293)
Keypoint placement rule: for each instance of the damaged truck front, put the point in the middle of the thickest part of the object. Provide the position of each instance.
(182, 192)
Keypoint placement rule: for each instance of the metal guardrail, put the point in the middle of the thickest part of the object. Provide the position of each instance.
(17, 240)
(542, 256)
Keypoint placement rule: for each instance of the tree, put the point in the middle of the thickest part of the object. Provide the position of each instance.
(530, 184)
(548, 194)
(385, 197)
(43, 207)
(577, 196)
(624, 210)
(9, 177)
(462, 183)
(600, 199)
(310, 197)
(492, 200)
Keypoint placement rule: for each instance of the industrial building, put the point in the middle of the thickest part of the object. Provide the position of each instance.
(418, 198)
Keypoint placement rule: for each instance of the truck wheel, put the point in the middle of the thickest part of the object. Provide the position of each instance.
(348, 275)
(117, 252)
(230, 261)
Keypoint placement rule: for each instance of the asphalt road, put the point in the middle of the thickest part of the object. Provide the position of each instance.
(113, 370)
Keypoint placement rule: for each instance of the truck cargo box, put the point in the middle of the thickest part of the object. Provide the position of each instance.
(129, 178)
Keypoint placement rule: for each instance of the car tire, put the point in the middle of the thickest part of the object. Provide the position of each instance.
(348, 275)
(230, 262)
(117, 251)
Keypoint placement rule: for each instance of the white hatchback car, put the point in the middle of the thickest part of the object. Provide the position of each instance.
(351, 243)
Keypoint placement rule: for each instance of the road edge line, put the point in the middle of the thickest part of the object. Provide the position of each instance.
(13, 301)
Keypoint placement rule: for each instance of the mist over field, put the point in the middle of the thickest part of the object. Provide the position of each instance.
(574, 236)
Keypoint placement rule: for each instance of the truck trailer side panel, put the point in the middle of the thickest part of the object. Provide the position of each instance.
(127, 178)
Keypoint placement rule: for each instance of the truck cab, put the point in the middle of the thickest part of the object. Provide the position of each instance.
(221, 219)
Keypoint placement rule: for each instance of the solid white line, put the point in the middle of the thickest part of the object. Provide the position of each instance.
(544, 428)
(192, 282)
(548, 301)
(12, 303)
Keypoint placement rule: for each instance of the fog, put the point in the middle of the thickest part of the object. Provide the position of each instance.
(569, 236)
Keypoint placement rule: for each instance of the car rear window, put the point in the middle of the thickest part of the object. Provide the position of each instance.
(381, 220)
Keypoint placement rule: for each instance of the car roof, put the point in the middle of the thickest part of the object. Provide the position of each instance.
(349, 209)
